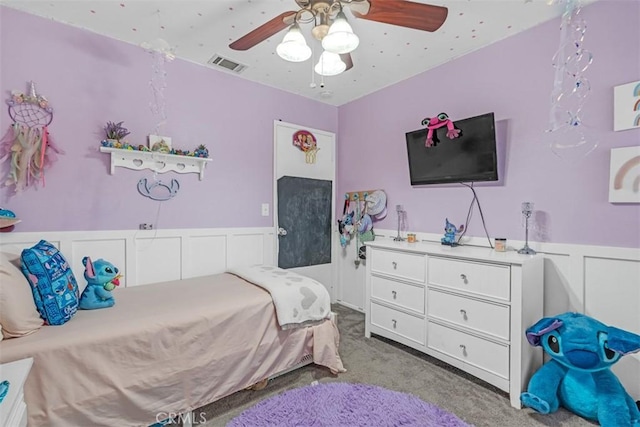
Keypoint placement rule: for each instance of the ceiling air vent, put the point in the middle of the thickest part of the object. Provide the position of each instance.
(230, 65)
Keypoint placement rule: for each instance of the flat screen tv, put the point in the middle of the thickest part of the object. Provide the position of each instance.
(470, 157)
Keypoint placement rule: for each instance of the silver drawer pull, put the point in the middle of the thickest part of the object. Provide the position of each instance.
(463, 312)
(464, 349)
(394, 323)
(395, 294)
(395, 265)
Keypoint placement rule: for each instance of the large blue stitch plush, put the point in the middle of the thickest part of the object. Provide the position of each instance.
(102, 277)
(578, 376)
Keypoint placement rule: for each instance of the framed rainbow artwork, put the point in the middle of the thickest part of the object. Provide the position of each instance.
(626, 106)
(624, 175)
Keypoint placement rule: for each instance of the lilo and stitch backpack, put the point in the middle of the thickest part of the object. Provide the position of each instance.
(54, 287)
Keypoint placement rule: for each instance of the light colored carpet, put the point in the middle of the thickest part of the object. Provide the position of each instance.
(381, 362)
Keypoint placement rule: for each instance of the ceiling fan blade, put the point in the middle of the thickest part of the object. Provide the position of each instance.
(404, 13)
(346, 58)
(264, 31)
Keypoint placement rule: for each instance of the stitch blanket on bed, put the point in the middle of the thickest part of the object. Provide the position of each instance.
(299, 300)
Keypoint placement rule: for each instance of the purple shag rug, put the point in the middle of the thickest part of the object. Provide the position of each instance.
(342, 405)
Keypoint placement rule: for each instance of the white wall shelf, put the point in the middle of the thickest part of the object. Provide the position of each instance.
(155, 161)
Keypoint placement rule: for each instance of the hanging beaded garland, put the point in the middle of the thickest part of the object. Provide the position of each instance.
(569, 137)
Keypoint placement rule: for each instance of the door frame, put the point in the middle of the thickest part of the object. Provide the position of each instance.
(333, 286)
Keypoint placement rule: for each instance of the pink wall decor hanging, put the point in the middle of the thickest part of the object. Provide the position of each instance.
(306, 142)
(27, 144)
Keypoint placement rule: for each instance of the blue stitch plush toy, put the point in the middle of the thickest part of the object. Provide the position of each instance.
(450, 232)
(102, 277)
(578, 376)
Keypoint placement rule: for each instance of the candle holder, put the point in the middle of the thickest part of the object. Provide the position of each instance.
(400, 213)
(527, 209)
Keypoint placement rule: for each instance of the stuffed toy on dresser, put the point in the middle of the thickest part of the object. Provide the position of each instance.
(578, 376)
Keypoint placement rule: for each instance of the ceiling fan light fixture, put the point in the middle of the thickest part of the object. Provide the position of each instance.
(341, 38)
(293, 47)
(330, 64)
(320, 31)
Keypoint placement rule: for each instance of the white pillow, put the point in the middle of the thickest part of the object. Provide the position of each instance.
(18, 313)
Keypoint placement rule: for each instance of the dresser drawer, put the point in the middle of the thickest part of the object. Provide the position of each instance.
(490, 280)
(479, 315)
(399, 323)
(399, 264)
(398, 293)
(483, 354)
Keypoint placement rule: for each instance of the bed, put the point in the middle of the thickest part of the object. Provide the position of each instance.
(164, 348)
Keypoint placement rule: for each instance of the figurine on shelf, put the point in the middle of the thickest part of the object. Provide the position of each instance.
(201, 151)
(115, 132)
(450, 232)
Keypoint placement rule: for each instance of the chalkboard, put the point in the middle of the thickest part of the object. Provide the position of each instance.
(304, 210)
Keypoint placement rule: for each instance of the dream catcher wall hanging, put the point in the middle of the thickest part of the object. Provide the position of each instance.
(27, 143)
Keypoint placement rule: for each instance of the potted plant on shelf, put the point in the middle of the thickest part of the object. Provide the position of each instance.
(115, 133)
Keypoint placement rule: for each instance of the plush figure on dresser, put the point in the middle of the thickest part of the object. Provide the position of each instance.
(450, 232)
(102, 277)
(578, 376)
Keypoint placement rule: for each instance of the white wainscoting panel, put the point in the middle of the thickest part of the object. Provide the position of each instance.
(205, 255)
(151, 256)
(158, 259)
(606, 280)
(612, 295)
(247, 249)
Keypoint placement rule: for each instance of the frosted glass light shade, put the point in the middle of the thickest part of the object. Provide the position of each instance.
(330, 64)
(293, 47)
(340, 38)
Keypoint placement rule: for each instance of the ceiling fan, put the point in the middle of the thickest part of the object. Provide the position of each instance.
(331, 28)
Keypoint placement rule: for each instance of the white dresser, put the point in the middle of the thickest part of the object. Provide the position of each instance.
(467, 306)
(13, 409)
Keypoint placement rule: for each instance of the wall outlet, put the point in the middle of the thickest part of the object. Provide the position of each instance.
(146, 226)
(265, 209)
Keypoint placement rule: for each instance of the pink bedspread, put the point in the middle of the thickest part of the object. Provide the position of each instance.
(169, 347)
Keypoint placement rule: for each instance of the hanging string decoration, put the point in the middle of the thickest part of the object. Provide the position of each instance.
(158, 82)
(161, 53)
(27, 143)
(569, 138)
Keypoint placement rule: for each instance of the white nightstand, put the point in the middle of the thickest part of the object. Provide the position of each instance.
(13, 409)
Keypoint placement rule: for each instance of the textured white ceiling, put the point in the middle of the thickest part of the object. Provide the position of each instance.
(387, 54)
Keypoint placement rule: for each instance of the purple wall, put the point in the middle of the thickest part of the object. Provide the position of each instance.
(90, 79)
(512, 78)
